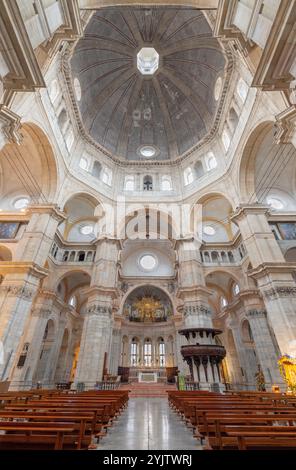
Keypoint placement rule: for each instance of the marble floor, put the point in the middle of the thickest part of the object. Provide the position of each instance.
(147, 424)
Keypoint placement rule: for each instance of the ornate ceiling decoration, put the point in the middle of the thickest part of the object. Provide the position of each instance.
(170, 110)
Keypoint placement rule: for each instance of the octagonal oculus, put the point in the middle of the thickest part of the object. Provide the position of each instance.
(147, 60)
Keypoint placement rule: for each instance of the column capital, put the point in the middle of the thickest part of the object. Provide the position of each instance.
(41, 312)
(254, 313)
(191, 291)
(265, 269)
(51, 209)
(279, 291)
(23, 267)
(245, 209)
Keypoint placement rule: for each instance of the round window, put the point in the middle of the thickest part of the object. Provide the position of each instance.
(148, 262)
(21, 203)
(209, 230)
(275, 203)
(86, 229)
(147, 151)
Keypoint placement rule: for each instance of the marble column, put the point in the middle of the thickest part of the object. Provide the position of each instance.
(247, 363)
(98, 320)
(265, 348)
(272, 273)
(115, 351)
(200, 350)
(22, 280)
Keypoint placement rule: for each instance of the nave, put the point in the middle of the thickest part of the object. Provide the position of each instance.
(148, 424)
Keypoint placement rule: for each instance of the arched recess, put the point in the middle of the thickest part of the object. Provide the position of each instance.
(45, 350)
(268, 170)
(151, 291)
(210, 218)
(83, 211)
(73, 283)
(143, 223)
(29, 169)
(62, 362)
(220, 282)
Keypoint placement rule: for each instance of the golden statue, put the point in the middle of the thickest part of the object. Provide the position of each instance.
(287, 367)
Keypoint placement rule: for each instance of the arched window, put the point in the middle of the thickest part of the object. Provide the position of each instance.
(53, 90)
(233, 120)
(83, 163)
(161, 352)
(134, 352)
(242, 89)
(63, 119)
(226, 139)
(223, 302)
(166, 183)
(129, 183)
(236, 289)
(147, 353)
(211, 161)
(70, 139)
(147, 183)
(73, 301)
(96, 169)
(198, 168)
(107, 176)
(188, 176)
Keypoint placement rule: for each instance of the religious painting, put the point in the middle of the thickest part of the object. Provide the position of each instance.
(8, 230)
(287, 230)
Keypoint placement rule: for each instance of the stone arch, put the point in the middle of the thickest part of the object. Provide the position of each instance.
(214, 208)
(148, 285)
(247, 162)
(29, 169)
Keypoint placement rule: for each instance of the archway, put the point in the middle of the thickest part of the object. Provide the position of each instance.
(267, 171)
(28, 171)
(61, 368)
(148, 331)
(45, 350)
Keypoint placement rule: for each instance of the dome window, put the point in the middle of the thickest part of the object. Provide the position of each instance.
(147, 151)
(147, 60)
(21, 203)
(188, 176)
(209, 230)
(275, 203)
(87, 229)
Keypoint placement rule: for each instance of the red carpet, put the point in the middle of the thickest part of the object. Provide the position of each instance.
(147, 389)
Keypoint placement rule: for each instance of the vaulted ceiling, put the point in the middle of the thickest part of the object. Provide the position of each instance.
(170, 110)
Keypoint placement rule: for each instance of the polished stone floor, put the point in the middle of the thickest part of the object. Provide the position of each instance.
(149, 423)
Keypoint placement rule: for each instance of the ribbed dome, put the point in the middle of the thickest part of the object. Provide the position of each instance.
(168, 111)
